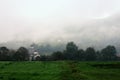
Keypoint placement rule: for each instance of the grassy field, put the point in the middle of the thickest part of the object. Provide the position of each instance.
(60, 70)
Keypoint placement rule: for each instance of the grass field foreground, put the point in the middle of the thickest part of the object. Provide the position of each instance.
(60, 70)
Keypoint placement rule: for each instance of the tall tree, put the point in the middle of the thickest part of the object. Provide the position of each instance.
(71, 50)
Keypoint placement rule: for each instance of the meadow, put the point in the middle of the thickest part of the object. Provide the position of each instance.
(59, 70)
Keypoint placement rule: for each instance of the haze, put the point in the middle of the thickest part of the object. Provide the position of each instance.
(88, 22)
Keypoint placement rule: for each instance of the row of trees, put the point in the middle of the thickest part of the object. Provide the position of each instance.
(70, 53)
(21, 54)
(90, 54)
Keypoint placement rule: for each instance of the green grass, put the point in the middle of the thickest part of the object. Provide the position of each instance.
(59, 70)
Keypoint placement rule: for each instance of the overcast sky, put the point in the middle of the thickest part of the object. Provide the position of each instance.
(57, 20)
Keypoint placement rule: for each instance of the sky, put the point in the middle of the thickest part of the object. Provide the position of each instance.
(83, 21)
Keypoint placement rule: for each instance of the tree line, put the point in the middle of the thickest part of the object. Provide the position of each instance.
(90, 54)
(72, 52)
(22, 54)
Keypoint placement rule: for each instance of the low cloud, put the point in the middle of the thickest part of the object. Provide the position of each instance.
(95, 32)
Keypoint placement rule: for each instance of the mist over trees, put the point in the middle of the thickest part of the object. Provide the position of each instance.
(47, 48)
(71, 52)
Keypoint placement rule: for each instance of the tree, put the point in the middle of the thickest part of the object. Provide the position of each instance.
(80, 55)
(57, 56)
(98, 56)
(71, 50)
(11, 53)
(4, 53)
(21, 54)
(90, 54)
(109, 53)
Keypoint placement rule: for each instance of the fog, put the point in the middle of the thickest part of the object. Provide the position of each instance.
(87, 23)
